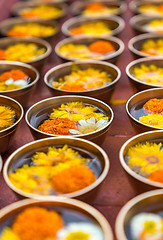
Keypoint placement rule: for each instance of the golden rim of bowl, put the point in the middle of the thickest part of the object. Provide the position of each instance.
(1, 163)
(98, 181)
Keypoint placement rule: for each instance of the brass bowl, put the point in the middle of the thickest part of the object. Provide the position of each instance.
(9, 23)
(137, 84)
(36, 114)
(116, 42)
(136, 102)
(22, 94)
(18, 7)
(135, 4)
(147, 202)
(102, 93)
(135, 43)
(78, 6)
(6, 42)
(72, 211)
(115, 24)
(7, 133)
(0, 163)
(100, 164)
(139, 23)
(139, 182)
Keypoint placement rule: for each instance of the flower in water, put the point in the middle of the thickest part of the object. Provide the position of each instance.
(146, 226)
(154, 120)
(145, 158)
(80, 231)
(7, 117)
(89, 125)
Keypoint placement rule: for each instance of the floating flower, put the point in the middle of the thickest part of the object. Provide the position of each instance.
(151, 9)
(8, 234)
(37, 223)
(153, 47)
(82, 231)
(145, 158)
(156, 176)
(154, 120)
(155, 25)
(7, 117)
(89, 125)
(146, 226)
(154, 105)
(97, 8)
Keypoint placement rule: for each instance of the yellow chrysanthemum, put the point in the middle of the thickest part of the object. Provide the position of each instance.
(145, 158)
(155, 120)
(7, 117)
(8, 234)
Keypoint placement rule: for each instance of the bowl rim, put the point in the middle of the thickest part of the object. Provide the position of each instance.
(101, 220)
(80, 19)
(21, 64)
(128, 169)
(119, 223)
(78, 193)
(73, 40)
(133, 118)
(10, 22)
(70, 97)
(21, 113)
(60, 66)
(142, 60)
(1, 163)
(144, 37)
(43, 42)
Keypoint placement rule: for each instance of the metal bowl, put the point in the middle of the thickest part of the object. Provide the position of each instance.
(115, 23)
(9, 23)
(7, 133)
(36, 114)
(137, 84)
(136, 102)
(6, 42)
(78, 6)
(116, 42)
(100, 164)
(1, 163)
(146, 202)
(18, 7)
(71, 210)
(103, 93)
(22, 94)
(135, 4)
(139, 23)
(135, 43)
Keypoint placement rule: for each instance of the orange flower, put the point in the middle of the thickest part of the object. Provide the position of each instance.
(101, 46)
(76, 31)
(2, 54)
(15, 74)
(73, 179)
(154, 105)
(74, 87)
(95, 7)
(156, 176)
(37, 223)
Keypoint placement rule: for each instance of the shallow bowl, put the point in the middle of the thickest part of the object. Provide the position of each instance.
(135, 43)
(71, 210)
(134, 108)
(23, 94)
(38, 63)
(78, 6)
(116, 42)
(137, 84)
(139, 23)
(7, 133)
(38, 112)
(18, 7)
(9, 23)
(103, 93)
(99, 164)
(115, 24)
(135, 4)
(148, 202)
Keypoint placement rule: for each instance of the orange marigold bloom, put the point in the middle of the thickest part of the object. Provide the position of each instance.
(15, 74)
(74, 87)
(57, 126)
(76, 31)
(73, 179)
(101, 46)
(154, 105)
(95, 6)
(156, 176)
(37, 223)
(2, 54)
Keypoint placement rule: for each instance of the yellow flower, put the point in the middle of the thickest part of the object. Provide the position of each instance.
(145, 158)
(8, 234)
(155, 120)
(7, 117)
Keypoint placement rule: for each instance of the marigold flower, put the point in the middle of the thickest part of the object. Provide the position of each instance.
(154, 105)
(154, 120)
(101, 46)
(7, 117)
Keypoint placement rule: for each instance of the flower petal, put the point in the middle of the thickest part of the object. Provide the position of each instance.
(83, 123)
(91, 121)
(73, 131)
(101, 123)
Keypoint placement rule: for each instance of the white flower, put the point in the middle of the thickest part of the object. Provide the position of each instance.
(82, 230)
(88, 126)
(148, 223)
(20, 82)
